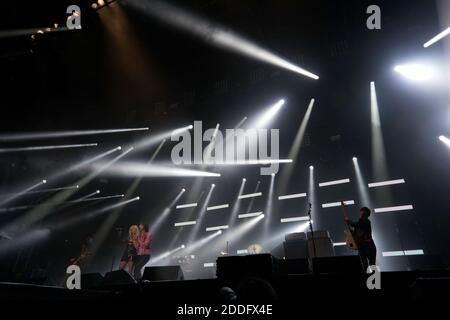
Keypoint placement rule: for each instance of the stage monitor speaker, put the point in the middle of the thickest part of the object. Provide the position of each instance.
(295, 249)
(322, 243)
(339, 265)
(118, 277)
(254, 265)
(163, 273)
(91, 280)
(295, 236)
(430, 288)
(294, 266)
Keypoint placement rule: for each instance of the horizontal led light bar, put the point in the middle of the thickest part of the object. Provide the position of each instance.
(403, 253)
(38, 148)
(393, 253)
(385, 183)
(338, 244)
(217, 228)
(332, 183)
(222, 206)
(187, 205)
(242, 251)
(250, 195)
(292, 196)
(337, 204)
(416, 252)
(438, 37)
(397, 208)
(249, 215)
(294, 219)
(209, 264)
(185, 223)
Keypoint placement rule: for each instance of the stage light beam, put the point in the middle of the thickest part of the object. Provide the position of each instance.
(60, 134)
(214, 34)
(269, 114)
(437, 38)
(362, 189)
(445, 140)
(416, 72)
(294, 151)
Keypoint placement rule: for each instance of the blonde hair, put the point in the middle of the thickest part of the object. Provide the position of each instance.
(133, 232)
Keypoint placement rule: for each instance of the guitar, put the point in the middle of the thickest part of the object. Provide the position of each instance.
(349, 240)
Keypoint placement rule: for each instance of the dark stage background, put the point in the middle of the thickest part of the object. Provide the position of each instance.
(124, 69)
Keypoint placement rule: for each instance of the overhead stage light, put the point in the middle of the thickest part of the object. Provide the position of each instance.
(415, 72)
(438, 37)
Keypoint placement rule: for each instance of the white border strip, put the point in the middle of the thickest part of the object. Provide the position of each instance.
(217, 228)
(209, 264)
(249, 215)
(397, 208)
(222, 206)
(332, 183)
(242, 251)
(294, 219)
(385, 183)
(250, 195)
(186, 223)
(187, 205)
(337, 204)
(292, 196)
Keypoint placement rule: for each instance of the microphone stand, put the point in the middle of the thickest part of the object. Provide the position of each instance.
(311, 230)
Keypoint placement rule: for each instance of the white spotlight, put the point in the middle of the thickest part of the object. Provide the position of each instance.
(213, 185)
(97, 192)
(415, 72)
(269, 114)
(119, 148)
(243, 179)
(355, 159)
(445, 140)
(183, 190)
(183, 246)
(311, 168)
(44, 181)
(138, 198)
(191, 126)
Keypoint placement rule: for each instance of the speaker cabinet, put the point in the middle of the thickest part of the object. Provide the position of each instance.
(118, 277)
(339, 265)
(163, 273)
